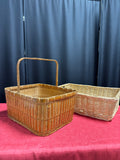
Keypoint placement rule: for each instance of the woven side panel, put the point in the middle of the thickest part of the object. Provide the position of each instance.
(41, 118)
(95, 107)
(115, 108)
(93, 90)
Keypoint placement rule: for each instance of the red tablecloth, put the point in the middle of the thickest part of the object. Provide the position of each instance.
(83, 139)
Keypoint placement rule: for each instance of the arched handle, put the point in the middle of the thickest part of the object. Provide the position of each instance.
(41, 59)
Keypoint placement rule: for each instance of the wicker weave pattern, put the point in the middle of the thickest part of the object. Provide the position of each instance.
(41, 108)
(41, 116)
(97, 102)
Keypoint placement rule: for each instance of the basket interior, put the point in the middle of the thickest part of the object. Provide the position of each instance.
(41, 91)
(93, 90)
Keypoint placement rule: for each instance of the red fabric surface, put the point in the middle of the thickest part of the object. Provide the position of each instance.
(83, 139)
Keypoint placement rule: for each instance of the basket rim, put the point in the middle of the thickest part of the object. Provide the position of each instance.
(69, 92)
(102, 97)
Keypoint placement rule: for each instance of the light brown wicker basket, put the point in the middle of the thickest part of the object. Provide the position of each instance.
(40, 108)
(97, 102)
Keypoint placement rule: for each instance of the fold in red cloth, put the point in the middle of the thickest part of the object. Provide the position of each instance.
(83, 139)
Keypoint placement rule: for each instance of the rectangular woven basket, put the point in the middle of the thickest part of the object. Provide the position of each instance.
(97, 102)
(40, 108)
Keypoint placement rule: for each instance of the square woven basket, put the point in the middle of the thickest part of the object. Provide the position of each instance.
(40, 108)
(97, 102)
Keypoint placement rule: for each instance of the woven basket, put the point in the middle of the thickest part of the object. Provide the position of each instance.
(40, 108)
(97, 102)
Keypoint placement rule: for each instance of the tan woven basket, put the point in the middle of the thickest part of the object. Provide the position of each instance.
(97, 102)
(41, 108)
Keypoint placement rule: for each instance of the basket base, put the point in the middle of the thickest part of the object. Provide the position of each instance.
(36, 133)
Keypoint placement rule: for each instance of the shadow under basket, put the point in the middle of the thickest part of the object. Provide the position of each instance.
(96, 102)
(40, 108)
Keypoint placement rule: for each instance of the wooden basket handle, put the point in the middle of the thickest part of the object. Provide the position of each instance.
(42, 59)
